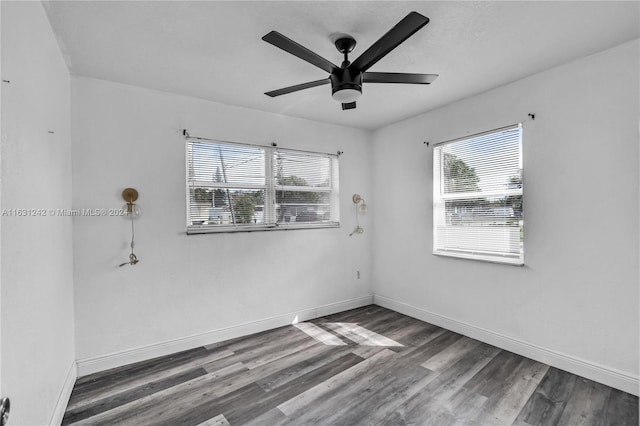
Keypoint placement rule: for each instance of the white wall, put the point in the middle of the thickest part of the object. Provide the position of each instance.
(37, 270)
(125, 136)
(578, 293)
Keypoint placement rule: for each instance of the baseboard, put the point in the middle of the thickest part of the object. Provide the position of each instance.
(104, 362)
(65, 394)
(609, 376)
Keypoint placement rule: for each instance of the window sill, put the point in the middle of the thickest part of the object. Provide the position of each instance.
(482, 257)
(217, 229)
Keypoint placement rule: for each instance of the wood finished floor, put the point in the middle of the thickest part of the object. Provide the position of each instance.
(367, 366)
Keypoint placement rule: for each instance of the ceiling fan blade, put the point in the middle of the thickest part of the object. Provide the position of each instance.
(297, 87)
(288, 45)
(392, 39)
(350, 105)
(398, 77)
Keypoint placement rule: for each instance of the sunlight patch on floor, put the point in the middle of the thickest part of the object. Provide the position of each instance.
(319, 334)
(360, 335)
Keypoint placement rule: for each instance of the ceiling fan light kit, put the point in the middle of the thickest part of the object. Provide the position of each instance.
(346, 81)
(347, 95)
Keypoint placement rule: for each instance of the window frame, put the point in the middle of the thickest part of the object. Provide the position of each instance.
(270, 189)
(440, 197)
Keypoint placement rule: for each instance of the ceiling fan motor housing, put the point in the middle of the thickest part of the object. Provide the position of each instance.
(343, 79)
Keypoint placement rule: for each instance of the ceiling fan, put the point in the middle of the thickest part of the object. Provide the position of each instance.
(346, 80)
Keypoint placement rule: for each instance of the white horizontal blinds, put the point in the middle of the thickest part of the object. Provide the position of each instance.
(226, 184)
(237, 187)
(478, 196)
(305, 187)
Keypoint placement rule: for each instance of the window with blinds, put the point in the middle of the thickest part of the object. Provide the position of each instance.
(477, 197)
(237, 187)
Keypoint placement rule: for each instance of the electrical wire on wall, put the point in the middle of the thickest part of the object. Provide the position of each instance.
(130, 195)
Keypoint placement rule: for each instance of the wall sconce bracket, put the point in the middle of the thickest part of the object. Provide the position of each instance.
(130, 195)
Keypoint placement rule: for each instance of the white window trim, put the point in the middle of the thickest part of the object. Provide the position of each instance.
(270, 189)
(438, 196)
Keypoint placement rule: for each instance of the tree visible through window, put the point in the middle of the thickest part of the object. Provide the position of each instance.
(458, 175)
(477, 197)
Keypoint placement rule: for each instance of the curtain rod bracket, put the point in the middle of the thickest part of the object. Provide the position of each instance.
(426, 143)
(532, 116)
(185, 133)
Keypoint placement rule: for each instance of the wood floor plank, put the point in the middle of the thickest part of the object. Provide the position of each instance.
(461, 408)
(452, 354)
(200, 387)
(504, 405)
(294, 388)
(385, 322)
(339, 370)
(491, 379)
(410, 333)
(587, 404)
(166, 367)
(122, 398)
(320, 334)
(547, 403)
(398, 395)
(218, 420)
(275, 354)
(622, 409)
(261, 341)
(254, 357)
(244, 378)
(295, 406)
(233, 405)
(415, 337)
(271, 417)
(431, 347)
(367, 351)
(264, 341)
(269, 346)
(142, 367)
(361, 335)
(429, 403)
(304, 364)
(466, 408)
(195, 411)
(384, 390)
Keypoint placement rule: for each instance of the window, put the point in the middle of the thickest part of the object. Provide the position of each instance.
(477, 197)
(236, 187)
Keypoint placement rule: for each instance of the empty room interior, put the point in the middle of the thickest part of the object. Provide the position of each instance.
(319, 213)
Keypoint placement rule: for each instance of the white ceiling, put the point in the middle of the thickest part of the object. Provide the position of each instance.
(213, 49)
